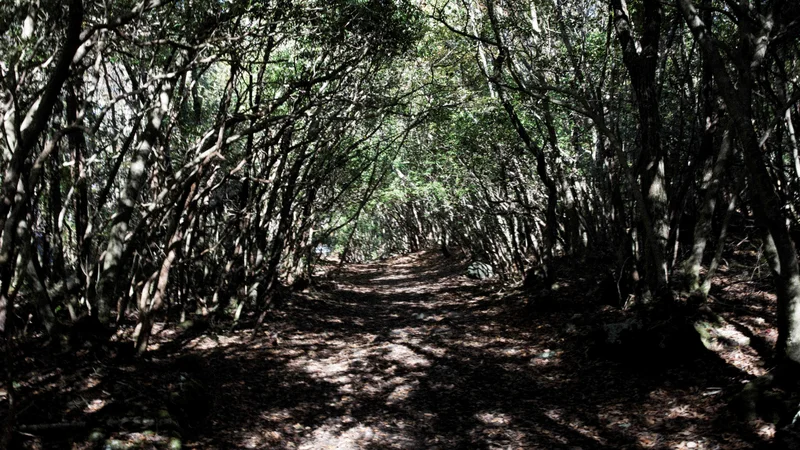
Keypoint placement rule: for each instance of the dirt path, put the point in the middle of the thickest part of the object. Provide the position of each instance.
(408, 354)
(403, 354)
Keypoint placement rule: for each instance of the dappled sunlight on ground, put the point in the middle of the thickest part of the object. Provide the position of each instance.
(409, 354)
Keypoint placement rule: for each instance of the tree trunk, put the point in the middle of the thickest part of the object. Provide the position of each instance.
(766, 205)
(551, 220)
(705, 288)
(31, 130)
(137, 175)
(81, 214)
(641, 60)
(711, 182)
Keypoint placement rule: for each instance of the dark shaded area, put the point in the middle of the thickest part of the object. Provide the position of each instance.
(406, 353)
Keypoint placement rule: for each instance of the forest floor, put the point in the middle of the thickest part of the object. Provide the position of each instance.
(405, 353)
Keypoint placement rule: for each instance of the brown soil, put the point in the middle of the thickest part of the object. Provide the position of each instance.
(400, 354)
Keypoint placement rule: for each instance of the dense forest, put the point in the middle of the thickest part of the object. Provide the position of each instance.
(209, 166)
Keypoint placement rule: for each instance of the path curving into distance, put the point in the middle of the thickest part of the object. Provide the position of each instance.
(409, 354)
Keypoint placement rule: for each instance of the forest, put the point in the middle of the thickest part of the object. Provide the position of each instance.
(399, 224)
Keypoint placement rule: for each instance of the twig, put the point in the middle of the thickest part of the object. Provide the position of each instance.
(50, 426)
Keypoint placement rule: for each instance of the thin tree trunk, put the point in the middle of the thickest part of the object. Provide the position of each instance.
(767, 205)
(30, 132)
(793, 143)
(137, 175)
(705, 288)
(58, 268)
(641, 59)
(711, 183)
(81, 212)
(145, 325)
(551, 224)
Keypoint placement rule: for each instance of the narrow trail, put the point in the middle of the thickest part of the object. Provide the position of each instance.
(405, 354)
(409, 354)
(400, 354)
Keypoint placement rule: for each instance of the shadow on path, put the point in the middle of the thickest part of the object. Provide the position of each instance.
(405, 354)
(409, 354)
